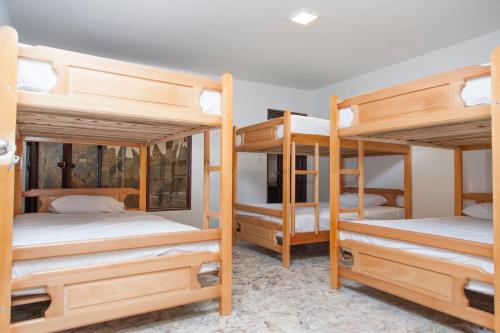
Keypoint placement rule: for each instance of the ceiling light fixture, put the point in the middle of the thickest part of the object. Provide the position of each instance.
(303, 18)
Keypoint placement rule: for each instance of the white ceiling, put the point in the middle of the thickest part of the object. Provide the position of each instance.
(254, 39)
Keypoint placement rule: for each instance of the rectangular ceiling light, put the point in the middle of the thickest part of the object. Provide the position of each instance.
(304, 18)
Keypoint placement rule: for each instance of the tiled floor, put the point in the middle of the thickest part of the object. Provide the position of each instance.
(270, 298)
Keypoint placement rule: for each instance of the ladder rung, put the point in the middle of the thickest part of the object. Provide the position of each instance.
(214, 168)
(349, 210)
(306, 172)
(349, 171)
(213, 214)
(305, 204)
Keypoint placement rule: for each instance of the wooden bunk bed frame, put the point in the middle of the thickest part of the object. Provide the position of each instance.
(262, 138)
(104, 101)
(426, 112)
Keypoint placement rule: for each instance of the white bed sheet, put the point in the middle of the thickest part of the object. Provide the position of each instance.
(304, 217)
(43, 228)
(462, 227)
(306, 125)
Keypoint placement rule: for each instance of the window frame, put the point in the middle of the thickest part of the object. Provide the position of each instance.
(188, 183)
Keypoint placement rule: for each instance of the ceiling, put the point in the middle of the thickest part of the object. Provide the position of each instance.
(254, 39)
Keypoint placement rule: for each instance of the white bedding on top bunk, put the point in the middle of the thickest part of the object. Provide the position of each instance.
(44, 228)
(306, 125)
(460, 227)
(39, 76)
(304, 216)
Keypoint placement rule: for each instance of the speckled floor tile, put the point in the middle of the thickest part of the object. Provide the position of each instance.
(270, 298)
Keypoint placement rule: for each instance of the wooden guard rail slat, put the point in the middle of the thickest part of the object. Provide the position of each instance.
(349, 171)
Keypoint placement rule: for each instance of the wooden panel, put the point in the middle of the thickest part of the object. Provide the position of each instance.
(427, 99)
(117, 289)
(264, 134)
(111, 85)
(409, 276)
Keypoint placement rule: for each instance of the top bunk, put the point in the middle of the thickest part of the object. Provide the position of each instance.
(448, 110)
(305, 133)
(73, 96)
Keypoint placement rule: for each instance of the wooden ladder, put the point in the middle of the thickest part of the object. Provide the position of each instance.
(315, 173)
(360, 172)
(207, 169)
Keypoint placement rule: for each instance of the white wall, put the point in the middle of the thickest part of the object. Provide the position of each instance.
(4, 13)
(251, 101)
(432, 169)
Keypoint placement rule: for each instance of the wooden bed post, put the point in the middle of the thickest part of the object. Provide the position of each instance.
(143, 176)
(18, 191)
(361, 180)
(407, 185)
(235, 183)
(8, 106)
(495, 149)
(286, 190)
(206, 179)
(226, 196)
(458, 182)
(334, 193)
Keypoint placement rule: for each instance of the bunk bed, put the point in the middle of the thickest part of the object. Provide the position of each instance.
(59, 96)
(279, 226)
(427, 261)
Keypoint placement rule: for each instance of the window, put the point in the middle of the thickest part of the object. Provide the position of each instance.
(169, 175)
(57, 165)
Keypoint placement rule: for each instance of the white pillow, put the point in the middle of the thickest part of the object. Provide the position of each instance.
(482, 211)
(74, 204)
(350, 200)
(400, 201)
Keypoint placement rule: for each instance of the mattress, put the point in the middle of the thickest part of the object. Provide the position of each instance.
(461, 227)
(306, 125)
(475, 92)
(44, 228)
(304, 216)
(39, 76)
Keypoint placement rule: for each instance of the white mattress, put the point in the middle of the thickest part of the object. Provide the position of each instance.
(306, 125)
(304, 217)
(43, 228)
(39, 76)
(465, 228)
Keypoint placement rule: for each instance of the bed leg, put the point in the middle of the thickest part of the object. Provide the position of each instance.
(285, 254)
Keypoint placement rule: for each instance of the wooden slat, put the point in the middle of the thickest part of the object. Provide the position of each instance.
(495, 149)
(306, 172)
(361, 180)
(316, 188)
(225, 195)
(206, 178)
(143, 177)
(285, 254)
(306, 204)
(111, 244)
(349, 210)
(407, 186)
(458, 177)
(259, 210)
(18, 189)
(293, 181)
(335, 179)
(349, 171)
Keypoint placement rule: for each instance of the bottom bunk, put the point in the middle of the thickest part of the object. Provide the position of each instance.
(429, 261)
(94, 267)
(262, 224)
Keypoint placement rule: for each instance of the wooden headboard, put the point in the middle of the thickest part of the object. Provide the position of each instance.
(478, 197)
(46, 196)
(388, 193)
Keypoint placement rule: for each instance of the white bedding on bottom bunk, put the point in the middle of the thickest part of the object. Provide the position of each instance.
(462, 227)
(304, 217)
(44, 228)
